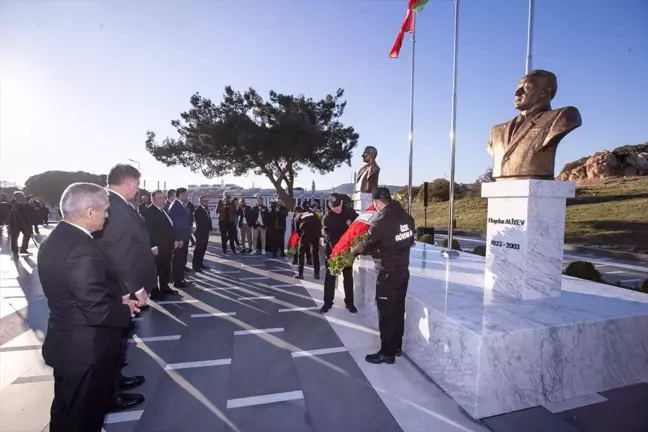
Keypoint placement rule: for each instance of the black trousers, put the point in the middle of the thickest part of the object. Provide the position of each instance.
(163, 264)
(179, 261)
(82, 396)
(199, 252)
(280, 242)
(228, 235)
(329, 286)
(14, 233)
(126, 334)
(391, 289)
(306, 246)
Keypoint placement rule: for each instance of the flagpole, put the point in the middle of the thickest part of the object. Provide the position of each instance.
(449, 253)
(411, 119)
(530, 37)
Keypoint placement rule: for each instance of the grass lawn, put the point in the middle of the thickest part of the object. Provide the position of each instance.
(610, 214)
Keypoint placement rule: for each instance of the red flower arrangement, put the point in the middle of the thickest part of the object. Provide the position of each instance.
(341, 256)
(293, 244)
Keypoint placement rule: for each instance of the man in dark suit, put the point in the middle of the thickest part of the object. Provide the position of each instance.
(144, 204)
(182, 228)
(171, 196)
(191, 208)
(203, 228)
(160, 228)
(87, 313)
(125, 240)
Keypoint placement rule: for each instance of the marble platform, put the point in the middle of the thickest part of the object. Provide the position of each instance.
(525, 234)
(495, 354)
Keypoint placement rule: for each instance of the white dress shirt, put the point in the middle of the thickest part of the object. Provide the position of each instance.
(79, 227)
(166, 214)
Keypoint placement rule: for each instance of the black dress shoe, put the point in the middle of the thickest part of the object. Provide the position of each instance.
(399, 353)
(187, 269)
(352, 309)
(316, 276)
(204, 267)
(181, 285)
(169, 291)
(125, 401)
(380, 358)
(299, 276)
(158, 295)
(283, 255)
(325, 309)
(127, 383)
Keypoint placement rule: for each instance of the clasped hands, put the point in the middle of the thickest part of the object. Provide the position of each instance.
(135, 305)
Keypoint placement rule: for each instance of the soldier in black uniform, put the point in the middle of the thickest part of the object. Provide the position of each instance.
(334, 224)
(389, 241)
(309, 227)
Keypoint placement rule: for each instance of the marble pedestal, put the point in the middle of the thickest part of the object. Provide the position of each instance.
(525, 237)
(361, 201)
(496, 354)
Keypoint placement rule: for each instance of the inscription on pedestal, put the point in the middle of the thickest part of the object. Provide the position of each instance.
(525, 238)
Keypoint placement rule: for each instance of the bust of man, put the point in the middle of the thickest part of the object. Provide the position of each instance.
(525, 147)
(367, 178)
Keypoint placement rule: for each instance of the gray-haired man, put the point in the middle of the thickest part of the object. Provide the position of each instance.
(88, 314)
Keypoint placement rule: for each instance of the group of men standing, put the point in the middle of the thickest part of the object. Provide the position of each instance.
(255, 229)
(21, 215)
(99, 265)
(97, 269)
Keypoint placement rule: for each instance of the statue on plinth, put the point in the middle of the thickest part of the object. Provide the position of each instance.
(525, 147)
(367, 178)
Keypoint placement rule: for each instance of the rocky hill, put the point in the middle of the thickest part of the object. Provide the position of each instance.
(626, 161)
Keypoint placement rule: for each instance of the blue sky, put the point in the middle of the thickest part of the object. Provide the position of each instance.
(82, 81)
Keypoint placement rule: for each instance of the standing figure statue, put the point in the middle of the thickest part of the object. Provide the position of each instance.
(525, 147)
(367, 178)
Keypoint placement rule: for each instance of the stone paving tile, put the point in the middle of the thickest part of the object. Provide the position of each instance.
(291, 416)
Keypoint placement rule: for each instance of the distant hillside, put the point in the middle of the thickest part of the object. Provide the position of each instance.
(347, 188)
(626, 161)
(609, 213)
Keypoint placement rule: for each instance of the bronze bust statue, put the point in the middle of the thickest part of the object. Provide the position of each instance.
(367, 178)
(525, 147)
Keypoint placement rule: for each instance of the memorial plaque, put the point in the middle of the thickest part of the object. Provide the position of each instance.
(525, 237)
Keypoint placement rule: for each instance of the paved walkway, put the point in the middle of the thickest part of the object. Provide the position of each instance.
(245, 349)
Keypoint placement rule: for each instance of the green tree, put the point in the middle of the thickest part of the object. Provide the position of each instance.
(49, 185)
(475, 189)
(244, 134)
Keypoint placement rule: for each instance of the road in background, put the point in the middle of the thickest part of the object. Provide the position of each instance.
(615, 271)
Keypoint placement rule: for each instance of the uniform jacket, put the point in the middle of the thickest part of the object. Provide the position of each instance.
(390, 238)
(334, 225)
(308, 225)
